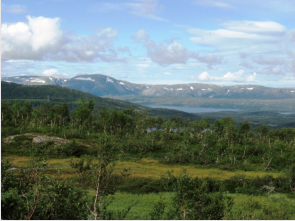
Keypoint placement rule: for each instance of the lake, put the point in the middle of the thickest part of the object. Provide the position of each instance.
(193, 110)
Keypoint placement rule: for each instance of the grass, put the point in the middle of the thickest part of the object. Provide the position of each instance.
(276, 203)
(146, 168)
(142, 205)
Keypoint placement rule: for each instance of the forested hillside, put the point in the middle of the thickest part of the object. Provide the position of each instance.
(97, 155)
(40, 94)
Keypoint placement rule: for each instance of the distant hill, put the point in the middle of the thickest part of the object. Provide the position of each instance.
(38, 94)
(102, 85)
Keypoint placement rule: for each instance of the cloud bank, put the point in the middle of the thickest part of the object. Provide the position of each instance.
(42, 39)
(238, 76)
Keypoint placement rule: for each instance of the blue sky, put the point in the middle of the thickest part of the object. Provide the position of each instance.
(226, 42)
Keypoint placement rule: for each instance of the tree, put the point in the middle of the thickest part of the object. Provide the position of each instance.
(193, 201)
(102, 179)
(292, 178)
(60, 114)
(262, 132)
(245, 128)
(6, 114)
(83, 115)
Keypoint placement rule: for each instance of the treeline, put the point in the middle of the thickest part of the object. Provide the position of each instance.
(223, 144)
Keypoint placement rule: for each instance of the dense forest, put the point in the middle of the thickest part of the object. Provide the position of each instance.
(96, 143)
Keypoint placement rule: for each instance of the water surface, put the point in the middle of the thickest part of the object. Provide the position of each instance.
(193, 110)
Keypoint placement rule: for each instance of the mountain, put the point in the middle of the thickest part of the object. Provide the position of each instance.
(35, 80)
(102, 85)
(55, 94)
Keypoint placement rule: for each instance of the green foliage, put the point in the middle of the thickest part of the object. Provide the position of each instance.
(98, 139)
(74, 149)
(158, 211)
(83, 168)
(256, 186)
(33, 195)
(101, 174)
(292, 178)
(193, 201)
(254, 210)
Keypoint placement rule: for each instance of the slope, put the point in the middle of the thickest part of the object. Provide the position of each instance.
(38, 94)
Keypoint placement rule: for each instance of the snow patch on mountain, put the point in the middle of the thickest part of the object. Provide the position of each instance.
(37, 80)
(84, 79)
(109, 80)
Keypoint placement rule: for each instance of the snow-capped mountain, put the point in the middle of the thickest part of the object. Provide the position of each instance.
(102, 85)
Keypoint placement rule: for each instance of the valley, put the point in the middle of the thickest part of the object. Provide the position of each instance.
(147, 110)
(132, 154)
(236, 152)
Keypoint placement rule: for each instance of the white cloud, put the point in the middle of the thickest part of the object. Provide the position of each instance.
(143, 65)
(246, 64)
(42, 39)
(140, 35)
(252, 77)
(45, 32)
(213, 3)
(145, 8)
(15, 9)
(210, 60)
(223, 39)
(171, 54)
(241, 35)
(204, 76)
(238, 76)
(167, 73)
(50, 72)
(30, 40)
(180, 68)
(267, 60)
(293, 66)
(54, 72)
(254, 26)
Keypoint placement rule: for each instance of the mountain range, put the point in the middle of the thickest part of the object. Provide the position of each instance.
(101, 85)
(55, 94)
(276, 113)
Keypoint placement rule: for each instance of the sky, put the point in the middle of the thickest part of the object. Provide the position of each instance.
(226, 42)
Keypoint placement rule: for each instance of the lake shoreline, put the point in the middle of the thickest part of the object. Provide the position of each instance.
(194, 110)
